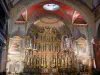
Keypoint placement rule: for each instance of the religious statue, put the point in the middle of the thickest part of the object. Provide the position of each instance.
(67, 42)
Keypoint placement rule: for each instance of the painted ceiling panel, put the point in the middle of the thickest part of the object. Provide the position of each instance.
(66, 12)
(58, 12)
(33, 9)
(75, 15)
(37, 14)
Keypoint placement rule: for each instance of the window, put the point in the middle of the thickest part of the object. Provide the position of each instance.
(51, 7)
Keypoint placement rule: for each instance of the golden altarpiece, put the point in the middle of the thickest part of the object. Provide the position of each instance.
(48, 52)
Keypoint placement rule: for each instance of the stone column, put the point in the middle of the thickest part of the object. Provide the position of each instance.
(3, 45)
(3, 59)
(89, 37)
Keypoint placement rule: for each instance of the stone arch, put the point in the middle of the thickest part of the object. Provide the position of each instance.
(76, 4)
(80, 7)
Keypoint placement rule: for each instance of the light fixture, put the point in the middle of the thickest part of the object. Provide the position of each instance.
(51, 7)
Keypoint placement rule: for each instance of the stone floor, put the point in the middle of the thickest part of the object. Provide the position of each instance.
(50, 74)
(39, 74)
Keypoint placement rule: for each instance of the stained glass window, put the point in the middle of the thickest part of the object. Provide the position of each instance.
(51, 7)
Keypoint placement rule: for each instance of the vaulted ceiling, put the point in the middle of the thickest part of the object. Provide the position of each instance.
(67, 14)
(89, 3)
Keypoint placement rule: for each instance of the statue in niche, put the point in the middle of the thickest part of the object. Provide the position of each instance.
(41, 30)
(27, 42)
(46, 30)
(50, 30)
(67, 42)
(54, 30)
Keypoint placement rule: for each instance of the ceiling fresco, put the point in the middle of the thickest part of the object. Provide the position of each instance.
(70, 16)
(67, 12)
(89, 3)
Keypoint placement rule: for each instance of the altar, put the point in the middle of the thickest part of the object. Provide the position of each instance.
(47, 53)
(49, 49)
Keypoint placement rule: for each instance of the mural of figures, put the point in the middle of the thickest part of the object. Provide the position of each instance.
(67, 42)
(15, 45)
(15, 66)
(82, 46)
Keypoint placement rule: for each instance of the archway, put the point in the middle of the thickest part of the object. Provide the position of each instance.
(77, 5)
(27, 4)
(23, 5)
